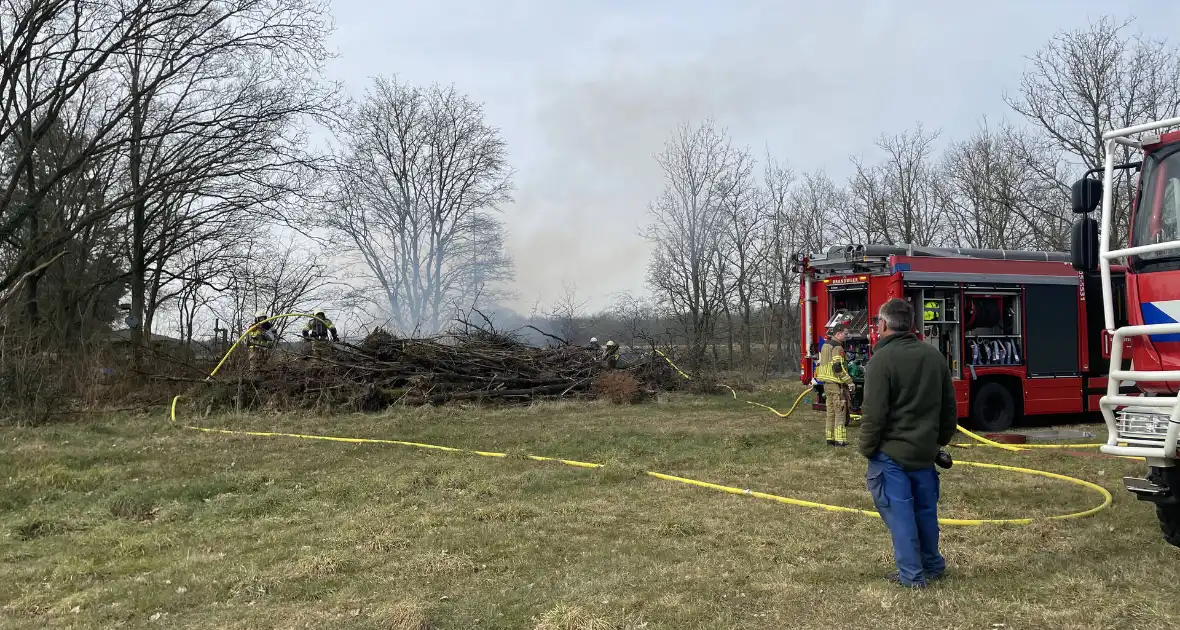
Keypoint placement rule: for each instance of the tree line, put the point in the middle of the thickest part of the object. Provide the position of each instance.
(164, 167)
(727, 222)
(145, 145)
(172, 166)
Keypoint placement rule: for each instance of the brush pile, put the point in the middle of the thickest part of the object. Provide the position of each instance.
(478, 365)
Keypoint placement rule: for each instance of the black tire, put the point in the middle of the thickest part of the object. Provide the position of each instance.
(1168, 515)
(993, 408)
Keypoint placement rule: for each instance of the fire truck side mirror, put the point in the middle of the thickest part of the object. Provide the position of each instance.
(1086, 194)
(1083, 245)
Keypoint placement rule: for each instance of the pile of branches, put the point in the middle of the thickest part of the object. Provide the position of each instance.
(474, 364)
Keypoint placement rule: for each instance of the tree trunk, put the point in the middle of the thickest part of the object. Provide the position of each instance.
(729, 336)
(747, 351)
(32, 304)
(188, 333)
(767, 322)
(138, 218)
(152, 302)
(779, 333)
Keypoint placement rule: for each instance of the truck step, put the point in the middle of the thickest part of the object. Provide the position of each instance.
(1146, 490)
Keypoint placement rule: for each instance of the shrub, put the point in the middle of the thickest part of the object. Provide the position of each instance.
(706, 385)
(739, 381)
(618, 387)
(46, 378)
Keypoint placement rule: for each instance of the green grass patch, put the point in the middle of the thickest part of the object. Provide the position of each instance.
(130, 522)
(38, 528)
(133, 506)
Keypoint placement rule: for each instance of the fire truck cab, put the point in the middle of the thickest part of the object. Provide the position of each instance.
(1019, 335)
(1144, 422)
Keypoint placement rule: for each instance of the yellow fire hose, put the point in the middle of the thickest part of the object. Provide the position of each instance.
(1106, 496)
(979, 438)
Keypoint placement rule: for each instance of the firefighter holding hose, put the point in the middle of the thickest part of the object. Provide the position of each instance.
(262, 339)
(316, 332)
(838, 385)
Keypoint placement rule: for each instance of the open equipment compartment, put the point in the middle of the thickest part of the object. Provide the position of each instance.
(993, 323)
(937, 320)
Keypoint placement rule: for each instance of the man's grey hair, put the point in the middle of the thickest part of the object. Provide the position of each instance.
(898, 315)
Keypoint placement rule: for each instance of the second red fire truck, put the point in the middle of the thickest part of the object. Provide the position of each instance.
(1021, 330)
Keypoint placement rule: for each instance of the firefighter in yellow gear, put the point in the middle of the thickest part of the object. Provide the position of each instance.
(838, 386)
(319, 327)
(261, 341)
(610, 354)
(316, 332)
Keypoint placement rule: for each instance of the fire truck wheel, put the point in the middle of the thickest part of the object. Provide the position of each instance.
(992, 407)
(1169, 517)
(1168, 514)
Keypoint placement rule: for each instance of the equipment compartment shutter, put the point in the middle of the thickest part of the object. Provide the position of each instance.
(1051, 336)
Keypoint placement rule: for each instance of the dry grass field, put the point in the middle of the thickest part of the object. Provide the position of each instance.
(128, 522)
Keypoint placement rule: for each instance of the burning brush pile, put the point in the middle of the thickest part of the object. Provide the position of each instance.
(475, 365)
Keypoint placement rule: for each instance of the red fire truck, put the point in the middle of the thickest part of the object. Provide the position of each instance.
(1019, 333)
(1145, 350)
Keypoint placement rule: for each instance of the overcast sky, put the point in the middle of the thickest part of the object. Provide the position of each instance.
(586, 92)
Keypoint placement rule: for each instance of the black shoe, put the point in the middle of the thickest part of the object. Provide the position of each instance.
(831, 442)
(840, 444)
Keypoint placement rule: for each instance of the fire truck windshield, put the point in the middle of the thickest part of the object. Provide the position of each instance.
(1157, 215)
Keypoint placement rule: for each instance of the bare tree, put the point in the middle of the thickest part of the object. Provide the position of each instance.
(866, 218)
(986, 184)
(638, 317)
(173, 118)
(219, 90)
(54, 79)
(743, 220)
(421, 178)
(196, 294)
(480, 253)
(804, 214)
(75, 284)
(814, 204)
(275, 278)
(778, 242)
(897, 200)
(916, 208)
(688, 227)
(568, 314)
(1043, 200)
(1087, 81)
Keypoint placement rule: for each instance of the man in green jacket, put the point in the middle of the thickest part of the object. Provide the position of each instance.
(907, 415)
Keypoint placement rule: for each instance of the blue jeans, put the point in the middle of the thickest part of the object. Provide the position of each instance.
(908, 504)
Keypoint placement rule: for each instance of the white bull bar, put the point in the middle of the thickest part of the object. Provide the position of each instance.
(1154, 445)
(1148, 444)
